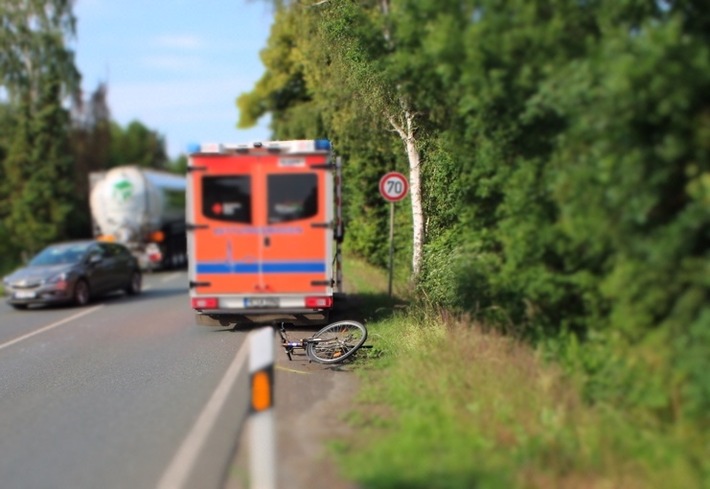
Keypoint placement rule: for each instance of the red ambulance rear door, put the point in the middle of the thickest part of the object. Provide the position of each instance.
(226, 240)
(296, 225)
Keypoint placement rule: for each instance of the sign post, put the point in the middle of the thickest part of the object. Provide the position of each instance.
(393, 187)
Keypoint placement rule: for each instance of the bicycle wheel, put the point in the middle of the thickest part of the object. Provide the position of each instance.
(336, 342)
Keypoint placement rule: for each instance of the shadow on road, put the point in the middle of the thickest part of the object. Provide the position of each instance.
(363, 308)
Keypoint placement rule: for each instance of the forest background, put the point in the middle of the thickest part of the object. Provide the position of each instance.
(558, 159)
(558, 156)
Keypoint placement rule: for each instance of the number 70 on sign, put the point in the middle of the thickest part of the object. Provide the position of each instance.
(394, 186)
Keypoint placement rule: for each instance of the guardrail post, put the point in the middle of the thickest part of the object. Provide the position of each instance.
(262, 433)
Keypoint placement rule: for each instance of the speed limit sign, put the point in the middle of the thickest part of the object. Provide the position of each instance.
(394, 186)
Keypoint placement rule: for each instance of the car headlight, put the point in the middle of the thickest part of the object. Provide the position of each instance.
(57, 279)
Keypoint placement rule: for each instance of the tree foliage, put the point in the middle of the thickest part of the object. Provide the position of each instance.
(565, 166)
(33, 47)
(136, 144)
(47, 150)
(90, 138)
(37, 72)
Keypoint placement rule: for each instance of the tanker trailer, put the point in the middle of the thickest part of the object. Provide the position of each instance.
(143, 209)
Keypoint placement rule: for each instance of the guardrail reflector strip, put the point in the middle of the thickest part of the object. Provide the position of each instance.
(262, 390)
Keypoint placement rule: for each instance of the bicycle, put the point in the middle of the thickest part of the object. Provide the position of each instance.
(332, 344)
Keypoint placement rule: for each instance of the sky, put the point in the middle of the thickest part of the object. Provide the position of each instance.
(176, 66)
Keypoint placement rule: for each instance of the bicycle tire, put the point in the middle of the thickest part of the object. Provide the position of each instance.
(336, 342)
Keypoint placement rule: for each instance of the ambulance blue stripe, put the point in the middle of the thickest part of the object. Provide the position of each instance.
(268, 267)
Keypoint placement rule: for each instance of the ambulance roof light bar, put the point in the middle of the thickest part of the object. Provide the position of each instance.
(282, 147)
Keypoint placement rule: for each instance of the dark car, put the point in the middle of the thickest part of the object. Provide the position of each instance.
(74, 272)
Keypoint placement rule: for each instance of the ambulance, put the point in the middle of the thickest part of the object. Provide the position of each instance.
(264, 231)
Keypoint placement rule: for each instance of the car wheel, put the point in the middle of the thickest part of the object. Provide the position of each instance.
(134, 287)
(19, 306)
(82, 294)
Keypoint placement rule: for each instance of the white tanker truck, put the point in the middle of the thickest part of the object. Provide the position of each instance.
(143, 209)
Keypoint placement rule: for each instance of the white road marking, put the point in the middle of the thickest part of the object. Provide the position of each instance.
(170, 277)
(53, 325)
(292, 370)
(179, 469)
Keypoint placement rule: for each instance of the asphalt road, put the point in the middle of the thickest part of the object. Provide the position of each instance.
(107, 395)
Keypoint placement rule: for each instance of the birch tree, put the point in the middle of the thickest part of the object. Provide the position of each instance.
(33, 44)
(371, 79)
(378, 54)
(37, 73)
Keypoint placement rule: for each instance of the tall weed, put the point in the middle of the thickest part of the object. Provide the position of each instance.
(456, 407)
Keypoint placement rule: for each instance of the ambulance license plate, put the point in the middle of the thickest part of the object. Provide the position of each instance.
(261, 302)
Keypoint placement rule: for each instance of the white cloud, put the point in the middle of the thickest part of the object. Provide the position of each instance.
(176, 63)
(179, 41)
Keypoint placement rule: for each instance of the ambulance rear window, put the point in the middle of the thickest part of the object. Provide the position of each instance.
(292, 196)
(227, 198)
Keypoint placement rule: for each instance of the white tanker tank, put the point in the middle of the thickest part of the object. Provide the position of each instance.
(143, 209)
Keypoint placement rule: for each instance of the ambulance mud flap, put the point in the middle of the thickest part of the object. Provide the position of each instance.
(193, 285)
(324, 283)
(195, 227)
(325, 166)
(326, 225)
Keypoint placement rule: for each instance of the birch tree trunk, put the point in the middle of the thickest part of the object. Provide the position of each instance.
(405, 126)
(406, 132)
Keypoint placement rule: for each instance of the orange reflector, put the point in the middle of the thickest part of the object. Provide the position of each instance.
(157, 236)
(260, 391)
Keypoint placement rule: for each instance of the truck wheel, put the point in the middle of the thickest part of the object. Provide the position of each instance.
(82, 294)
(134, 287)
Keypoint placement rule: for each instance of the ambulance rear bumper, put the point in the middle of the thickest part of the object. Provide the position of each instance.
(297, 309)
(247, 317)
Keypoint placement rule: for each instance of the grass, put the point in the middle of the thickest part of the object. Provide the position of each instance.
(446, 404)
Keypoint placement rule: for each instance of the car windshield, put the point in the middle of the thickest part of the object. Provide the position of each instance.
(58, 255)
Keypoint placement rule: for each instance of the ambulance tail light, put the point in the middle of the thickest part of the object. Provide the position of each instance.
(319, 302)
(204, 302)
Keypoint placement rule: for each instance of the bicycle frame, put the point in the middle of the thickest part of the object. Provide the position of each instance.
(332, 344)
